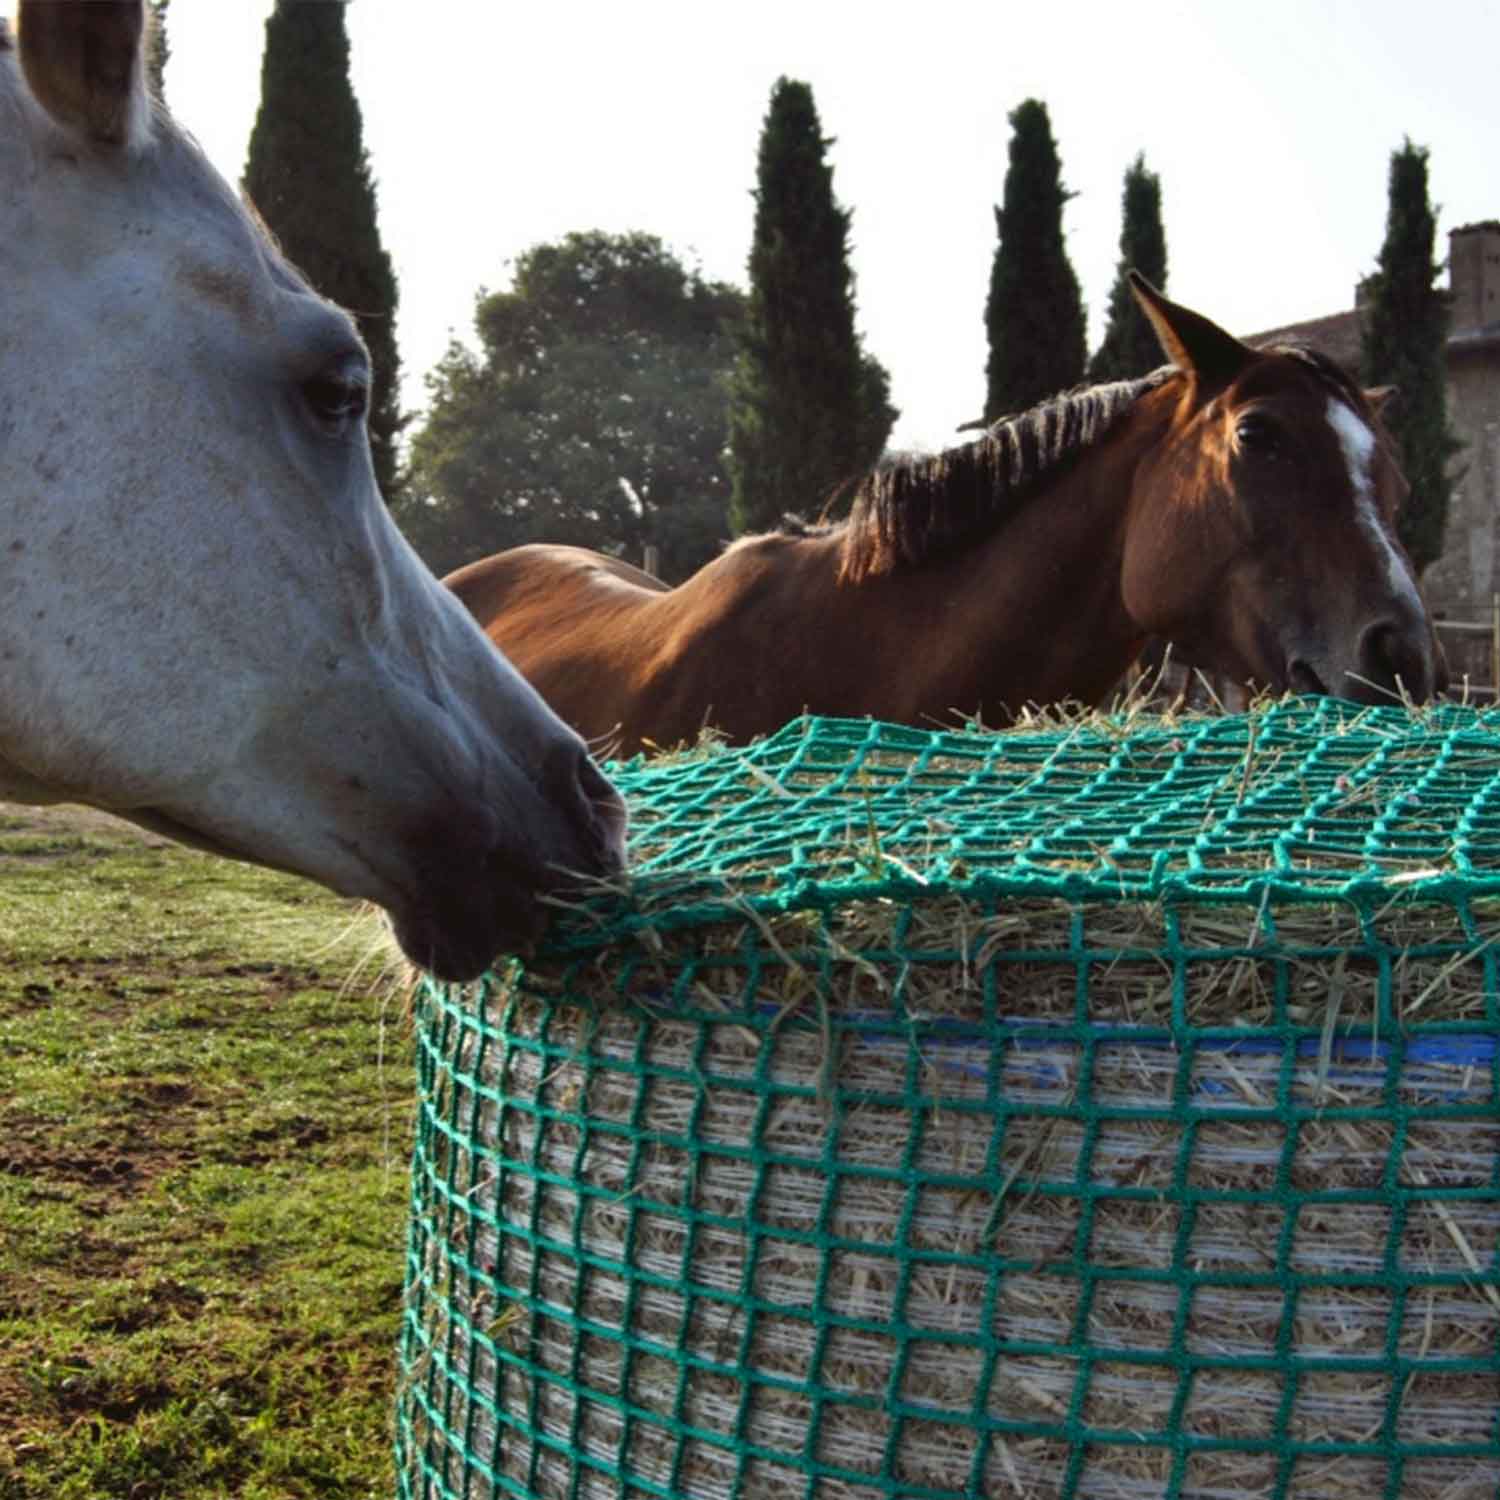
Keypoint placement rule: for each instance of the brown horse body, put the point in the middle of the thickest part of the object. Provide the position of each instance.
(1240, 503)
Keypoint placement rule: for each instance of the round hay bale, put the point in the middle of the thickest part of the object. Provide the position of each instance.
(1087, 1111)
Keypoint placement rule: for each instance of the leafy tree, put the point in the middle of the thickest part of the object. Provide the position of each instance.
(309, 175)
(159, 51)
(593, 413)
(1405, 327)
(1034, 315)
(1130, 348)
(809, 408)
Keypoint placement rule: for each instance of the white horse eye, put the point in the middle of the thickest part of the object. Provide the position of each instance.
(337, 396)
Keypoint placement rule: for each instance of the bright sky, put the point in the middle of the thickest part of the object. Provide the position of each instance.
(492, 127)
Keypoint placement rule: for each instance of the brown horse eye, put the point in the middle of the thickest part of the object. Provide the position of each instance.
(1255, 433)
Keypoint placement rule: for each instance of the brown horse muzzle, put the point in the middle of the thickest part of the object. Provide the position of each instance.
(1395, 661)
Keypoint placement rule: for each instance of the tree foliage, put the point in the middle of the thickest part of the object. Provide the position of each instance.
(1034, 316)
(593, 412)
(1405, 328)
(875, 415)
(1129, 347)
(809, 408)
(309, 175)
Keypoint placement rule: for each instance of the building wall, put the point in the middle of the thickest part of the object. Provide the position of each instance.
(1464, 579)
(1474, 275)
(1464, 582)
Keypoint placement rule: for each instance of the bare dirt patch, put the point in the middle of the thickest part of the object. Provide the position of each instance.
(64, 818)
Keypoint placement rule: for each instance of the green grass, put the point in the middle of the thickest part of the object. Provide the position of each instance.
(204, 1130)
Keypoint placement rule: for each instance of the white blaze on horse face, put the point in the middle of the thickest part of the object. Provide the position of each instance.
(1358, 444)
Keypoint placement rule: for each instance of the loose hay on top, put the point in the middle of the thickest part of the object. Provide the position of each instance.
(1062, 1114)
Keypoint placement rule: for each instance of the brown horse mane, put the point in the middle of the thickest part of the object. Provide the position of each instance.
(913, 508)
(1327, 369)
(916, 507)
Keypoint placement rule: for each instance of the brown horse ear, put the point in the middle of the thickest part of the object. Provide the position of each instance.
(1196, 346)
(83, 61)
(1383, 398)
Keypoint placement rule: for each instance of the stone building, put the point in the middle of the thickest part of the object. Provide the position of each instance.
(1463, 585)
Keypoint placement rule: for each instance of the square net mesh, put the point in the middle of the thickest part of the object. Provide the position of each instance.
(1075, 1112)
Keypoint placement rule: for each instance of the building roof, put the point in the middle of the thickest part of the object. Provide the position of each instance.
(1337, 335)
(1474, 340)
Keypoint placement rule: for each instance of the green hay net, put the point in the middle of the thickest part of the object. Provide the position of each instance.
(1097, 1110)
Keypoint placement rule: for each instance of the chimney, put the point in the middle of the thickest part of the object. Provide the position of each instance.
(1474, 275)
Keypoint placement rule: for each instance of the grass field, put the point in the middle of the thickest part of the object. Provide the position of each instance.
(203, 1175)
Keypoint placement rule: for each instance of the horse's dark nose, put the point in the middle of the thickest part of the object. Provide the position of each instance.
(593, 810)
(1398, 662)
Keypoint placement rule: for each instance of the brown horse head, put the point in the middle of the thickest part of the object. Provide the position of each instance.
(1262, 534)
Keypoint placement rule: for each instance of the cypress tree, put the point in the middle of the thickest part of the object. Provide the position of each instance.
(1405, 328)
(1034, 315)
(1129, 347)
(876, 415)
(309, 175)
(807, 408)
(159, 50)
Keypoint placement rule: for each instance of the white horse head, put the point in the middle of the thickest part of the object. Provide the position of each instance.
(208, 623)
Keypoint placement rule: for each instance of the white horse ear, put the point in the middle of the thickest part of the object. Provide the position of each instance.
(1197, 347)
(84, 61)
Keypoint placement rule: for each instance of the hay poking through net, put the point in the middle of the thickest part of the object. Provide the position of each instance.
(834, 1162)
